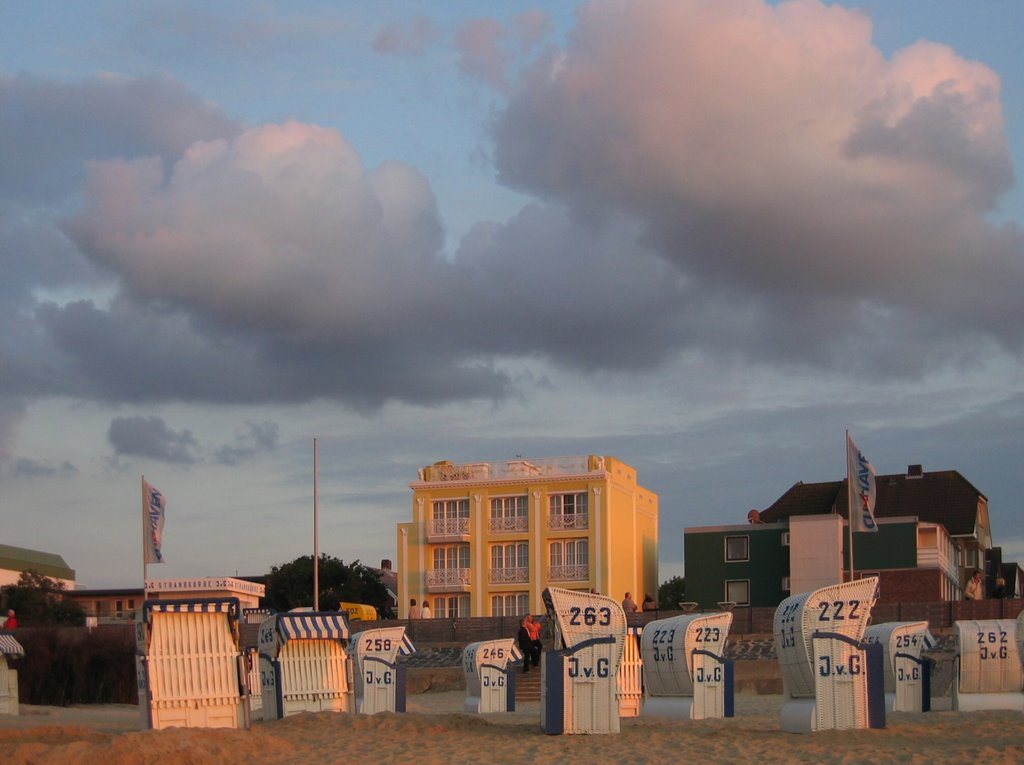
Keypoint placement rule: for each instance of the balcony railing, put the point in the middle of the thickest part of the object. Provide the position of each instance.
(449, 579)
(519, 523)
(513, 575)
(570, 572)
(568, 521)
(448, 527)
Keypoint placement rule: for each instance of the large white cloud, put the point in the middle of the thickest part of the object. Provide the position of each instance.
(282, 229)
(784, 165)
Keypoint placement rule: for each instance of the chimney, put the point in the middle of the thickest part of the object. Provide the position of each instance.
(385, 564)
(915, 471)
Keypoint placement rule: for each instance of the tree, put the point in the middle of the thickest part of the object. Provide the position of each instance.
(290, 585)
(671, 593)
(39, 600)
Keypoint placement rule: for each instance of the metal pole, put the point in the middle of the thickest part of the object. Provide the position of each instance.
(316, 538)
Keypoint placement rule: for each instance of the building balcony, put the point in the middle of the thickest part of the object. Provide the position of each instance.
(514, 575)
(569, 522)
(447, 529)
(520, 524)
(449, 580)
(571, 572)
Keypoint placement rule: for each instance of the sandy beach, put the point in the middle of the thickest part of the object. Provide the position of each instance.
(436, 731)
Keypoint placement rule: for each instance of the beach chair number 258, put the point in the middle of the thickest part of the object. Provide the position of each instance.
(384, 678)
(377, 644)
(590, 616)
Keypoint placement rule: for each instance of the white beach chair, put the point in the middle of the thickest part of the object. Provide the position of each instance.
(251, 620)
(381, 679)
(578, 679)
(989, 673)
(189, 665)
(10, 648)
(686, 674)
(304, 663)
(630, 679)
(490, 676)
(829, 681)
(907, 674)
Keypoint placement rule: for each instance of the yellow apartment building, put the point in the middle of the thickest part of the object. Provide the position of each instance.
(486, 538)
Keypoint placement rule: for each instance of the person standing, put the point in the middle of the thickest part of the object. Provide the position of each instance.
(425, 611)
(525, 643)
(1000, 586)
(974, 589)
(12, 620)
(536, 647)
(649, 604)
(628, 604)
(414, 610)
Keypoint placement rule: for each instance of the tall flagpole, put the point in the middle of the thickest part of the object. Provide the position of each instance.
(316, 538)
(142, 493)
(849, 501)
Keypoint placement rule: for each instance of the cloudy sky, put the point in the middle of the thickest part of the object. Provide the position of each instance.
(704, 236)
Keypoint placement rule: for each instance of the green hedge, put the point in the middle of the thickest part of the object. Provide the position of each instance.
(74, 665)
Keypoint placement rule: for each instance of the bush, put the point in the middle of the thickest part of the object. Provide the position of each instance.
(72, 665)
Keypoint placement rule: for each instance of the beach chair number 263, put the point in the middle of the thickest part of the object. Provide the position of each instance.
(590, 616)
(603, 668)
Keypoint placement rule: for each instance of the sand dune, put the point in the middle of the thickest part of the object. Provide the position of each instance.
(437, 732)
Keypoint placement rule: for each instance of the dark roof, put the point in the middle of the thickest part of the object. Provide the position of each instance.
(943, 497)
(22, 559)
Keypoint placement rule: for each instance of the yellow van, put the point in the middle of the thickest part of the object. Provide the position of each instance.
(359, 611)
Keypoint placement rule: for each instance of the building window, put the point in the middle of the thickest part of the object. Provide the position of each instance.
(510, 563)
(451, 556)
(569, 560)
(450, 516)
(131, 604)
(737, 549)
(785, 539)
(738, 591)
(510, 604)
(450, 606)
(509, 514)
(785, 584)
(568, 511)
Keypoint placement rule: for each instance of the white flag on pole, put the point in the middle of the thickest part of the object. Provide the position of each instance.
(861, 479)
(153, 505)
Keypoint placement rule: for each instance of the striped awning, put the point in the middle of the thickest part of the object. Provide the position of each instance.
(9, 646)
(313, 626)
(406, 648)
(204, 605)
(256, 615)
